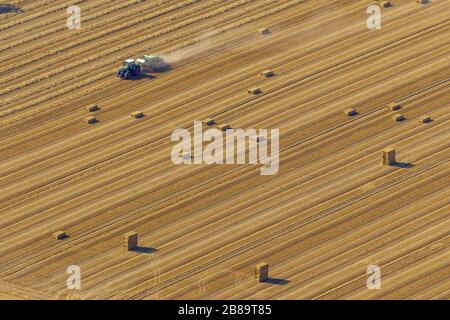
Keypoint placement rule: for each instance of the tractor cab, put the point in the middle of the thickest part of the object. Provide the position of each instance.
(129, 69)
(128, 63)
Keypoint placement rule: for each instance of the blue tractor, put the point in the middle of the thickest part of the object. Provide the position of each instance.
(129, 69)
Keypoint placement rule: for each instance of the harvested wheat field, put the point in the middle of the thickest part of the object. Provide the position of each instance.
(87, 178)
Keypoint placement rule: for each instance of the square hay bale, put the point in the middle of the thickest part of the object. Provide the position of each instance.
(264, 31)
(224, 127)
(267, 73)
(388, 156)
(394, 106)
(425, 119)
(130, 241)
(90, 120)
(262, 272)
(254, 90)
(350, 112)
(398, 117)
(59, 235)
(137, 114)
(208, 122)
(385, 4)
(92, 108)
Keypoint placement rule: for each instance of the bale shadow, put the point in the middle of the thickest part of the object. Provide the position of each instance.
(8, 8)
(144, 249)
(401, 120)
(403, 165)
(276, 281)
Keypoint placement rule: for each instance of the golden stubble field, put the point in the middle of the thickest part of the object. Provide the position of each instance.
(332, 209)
